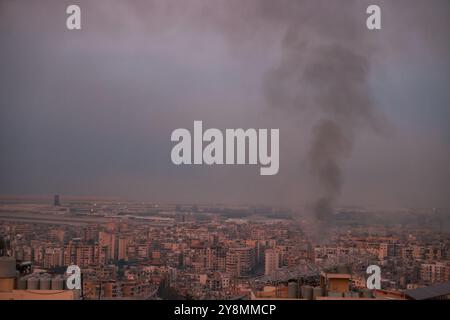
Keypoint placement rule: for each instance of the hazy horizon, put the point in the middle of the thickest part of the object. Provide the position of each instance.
(90, 112)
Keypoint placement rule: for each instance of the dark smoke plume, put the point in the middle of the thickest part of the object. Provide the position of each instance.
(328, 149)
(325, 69)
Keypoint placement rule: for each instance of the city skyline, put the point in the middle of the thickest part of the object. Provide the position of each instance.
(157, 251)
(90, 112)
(226, 158)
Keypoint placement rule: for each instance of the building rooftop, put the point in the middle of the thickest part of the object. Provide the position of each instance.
(429, 292)
(336, 275)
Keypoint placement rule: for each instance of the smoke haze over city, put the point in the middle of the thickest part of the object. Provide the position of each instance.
(217, 158)
(90, 113)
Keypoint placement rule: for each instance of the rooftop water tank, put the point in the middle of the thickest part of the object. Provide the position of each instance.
(317, 292)
(33, 283)
(22, 283)
(307, 292)
(44, 283)
(292, 290)
(57, 283)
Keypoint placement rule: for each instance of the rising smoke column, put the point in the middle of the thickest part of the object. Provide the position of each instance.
(340, 77)
(324, 68)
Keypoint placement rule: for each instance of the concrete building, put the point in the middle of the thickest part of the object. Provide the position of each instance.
(122, 249)
(108, 240)
(435, 272)
(271, 261)
(13, 286)
(240, 261)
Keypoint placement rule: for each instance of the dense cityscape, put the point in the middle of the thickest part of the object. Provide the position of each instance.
(134, 250)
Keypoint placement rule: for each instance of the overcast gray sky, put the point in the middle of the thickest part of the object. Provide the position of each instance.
(90, 112)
